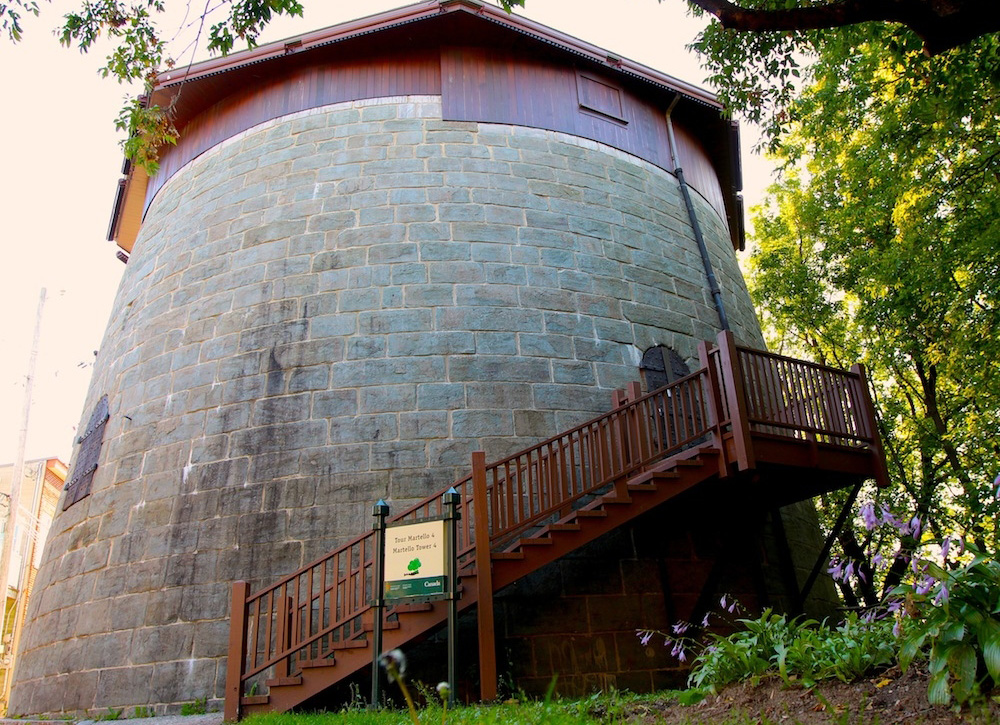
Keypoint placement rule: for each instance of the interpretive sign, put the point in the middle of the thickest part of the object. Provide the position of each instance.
(416, 560)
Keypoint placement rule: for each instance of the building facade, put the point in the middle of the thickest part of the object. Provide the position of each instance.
(42, 481)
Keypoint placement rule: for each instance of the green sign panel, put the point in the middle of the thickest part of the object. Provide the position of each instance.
(415, 560)
(427, 586)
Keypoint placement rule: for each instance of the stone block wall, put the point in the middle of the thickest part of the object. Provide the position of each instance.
(328, 309)
(575, 623)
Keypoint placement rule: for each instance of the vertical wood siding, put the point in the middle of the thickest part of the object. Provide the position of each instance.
(492, 85)
(412, 73)
(496, 85)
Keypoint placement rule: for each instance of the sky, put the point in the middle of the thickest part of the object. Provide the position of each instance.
(62, 160)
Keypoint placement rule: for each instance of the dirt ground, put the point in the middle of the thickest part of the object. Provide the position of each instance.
(892, 698)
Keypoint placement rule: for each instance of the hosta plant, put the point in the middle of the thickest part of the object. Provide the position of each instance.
(953, 615)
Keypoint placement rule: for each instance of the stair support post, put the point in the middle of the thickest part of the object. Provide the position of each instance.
(236, 657)
(484, 580)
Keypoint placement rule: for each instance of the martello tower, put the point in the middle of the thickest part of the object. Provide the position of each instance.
(375, 250)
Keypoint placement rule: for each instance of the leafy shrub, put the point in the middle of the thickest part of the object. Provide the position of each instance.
(796, 650)
(954, 616)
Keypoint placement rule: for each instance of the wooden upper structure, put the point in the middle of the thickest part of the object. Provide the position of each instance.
(486, 64)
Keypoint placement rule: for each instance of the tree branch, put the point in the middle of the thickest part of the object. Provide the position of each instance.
(941, 24)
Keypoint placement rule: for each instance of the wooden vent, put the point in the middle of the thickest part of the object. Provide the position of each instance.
(600, 97)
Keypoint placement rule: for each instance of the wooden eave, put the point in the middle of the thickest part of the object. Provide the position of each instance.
(207, 82)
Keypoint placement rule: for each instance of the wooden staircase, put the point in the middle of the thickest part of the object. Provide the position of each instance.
(743, 410)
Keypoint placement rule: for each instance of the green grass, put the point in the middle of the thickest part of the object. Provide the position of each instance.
(612, 708)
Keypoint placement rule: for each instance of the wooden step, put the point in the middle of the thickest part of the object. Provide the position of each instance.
(561, 527)
(369, 626)
(535, 541)
(284, 681)
(249, 700)
(617, 500)
(640, 486)
(410, 608)
(595, 513)
(650, 476)
(690, 462)
(349, 644)
(507, 555)
(313, 664)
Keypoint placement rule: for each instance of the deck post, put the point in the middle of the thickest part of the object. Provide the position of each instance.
(868, 405)
(714, 406)
(735, 390)
(237, 650)
(484, 580)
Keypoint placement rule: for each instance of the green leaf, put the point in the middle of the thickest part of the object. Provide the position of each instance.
(952, 632)
(962, 663)
(938, 692)
(909, 650)
(989, 643)
(939, 658)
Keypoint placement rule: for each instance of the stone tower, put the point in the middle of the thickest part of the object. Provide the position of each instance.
(375, 249)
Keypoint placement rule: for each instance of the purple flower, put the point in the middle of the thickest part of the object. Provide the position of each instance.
(924, 586)
(996, 486)
(869, 516)
(895, 629)
(877, 560)
(722, 602)
(915, 527)
(704, 620)
(836, 569)
(849, 570)
(888, 518)
(945, 548)
(680, 627)
(644, 637)
(942, 595)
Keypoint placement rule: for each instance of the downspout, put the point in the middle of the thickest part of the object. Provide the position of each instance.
(713, 283)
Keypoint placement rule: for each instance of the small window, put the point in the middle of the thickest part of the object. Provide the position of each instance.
(661, 366)
(82, 475)
(600, 97)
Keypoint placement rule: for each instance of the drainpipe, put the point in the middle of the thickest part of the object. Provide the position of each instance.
(713, 284)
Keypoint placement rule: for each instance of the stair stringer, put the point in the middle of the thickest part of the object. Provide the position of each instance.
(646, 491)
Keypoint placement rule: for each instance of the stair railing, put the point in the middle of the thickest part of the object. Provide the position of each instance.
(310, 614)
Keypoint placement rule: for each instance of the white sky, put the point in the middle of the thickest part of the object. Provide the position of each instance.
(62, 161)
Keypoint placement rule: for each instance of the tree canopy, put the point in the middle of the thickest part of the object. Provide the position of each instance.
(940, 24)
(881, 243)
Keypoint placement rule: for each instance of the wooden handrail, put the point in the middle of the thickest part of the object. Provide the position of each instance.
(737, 392)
